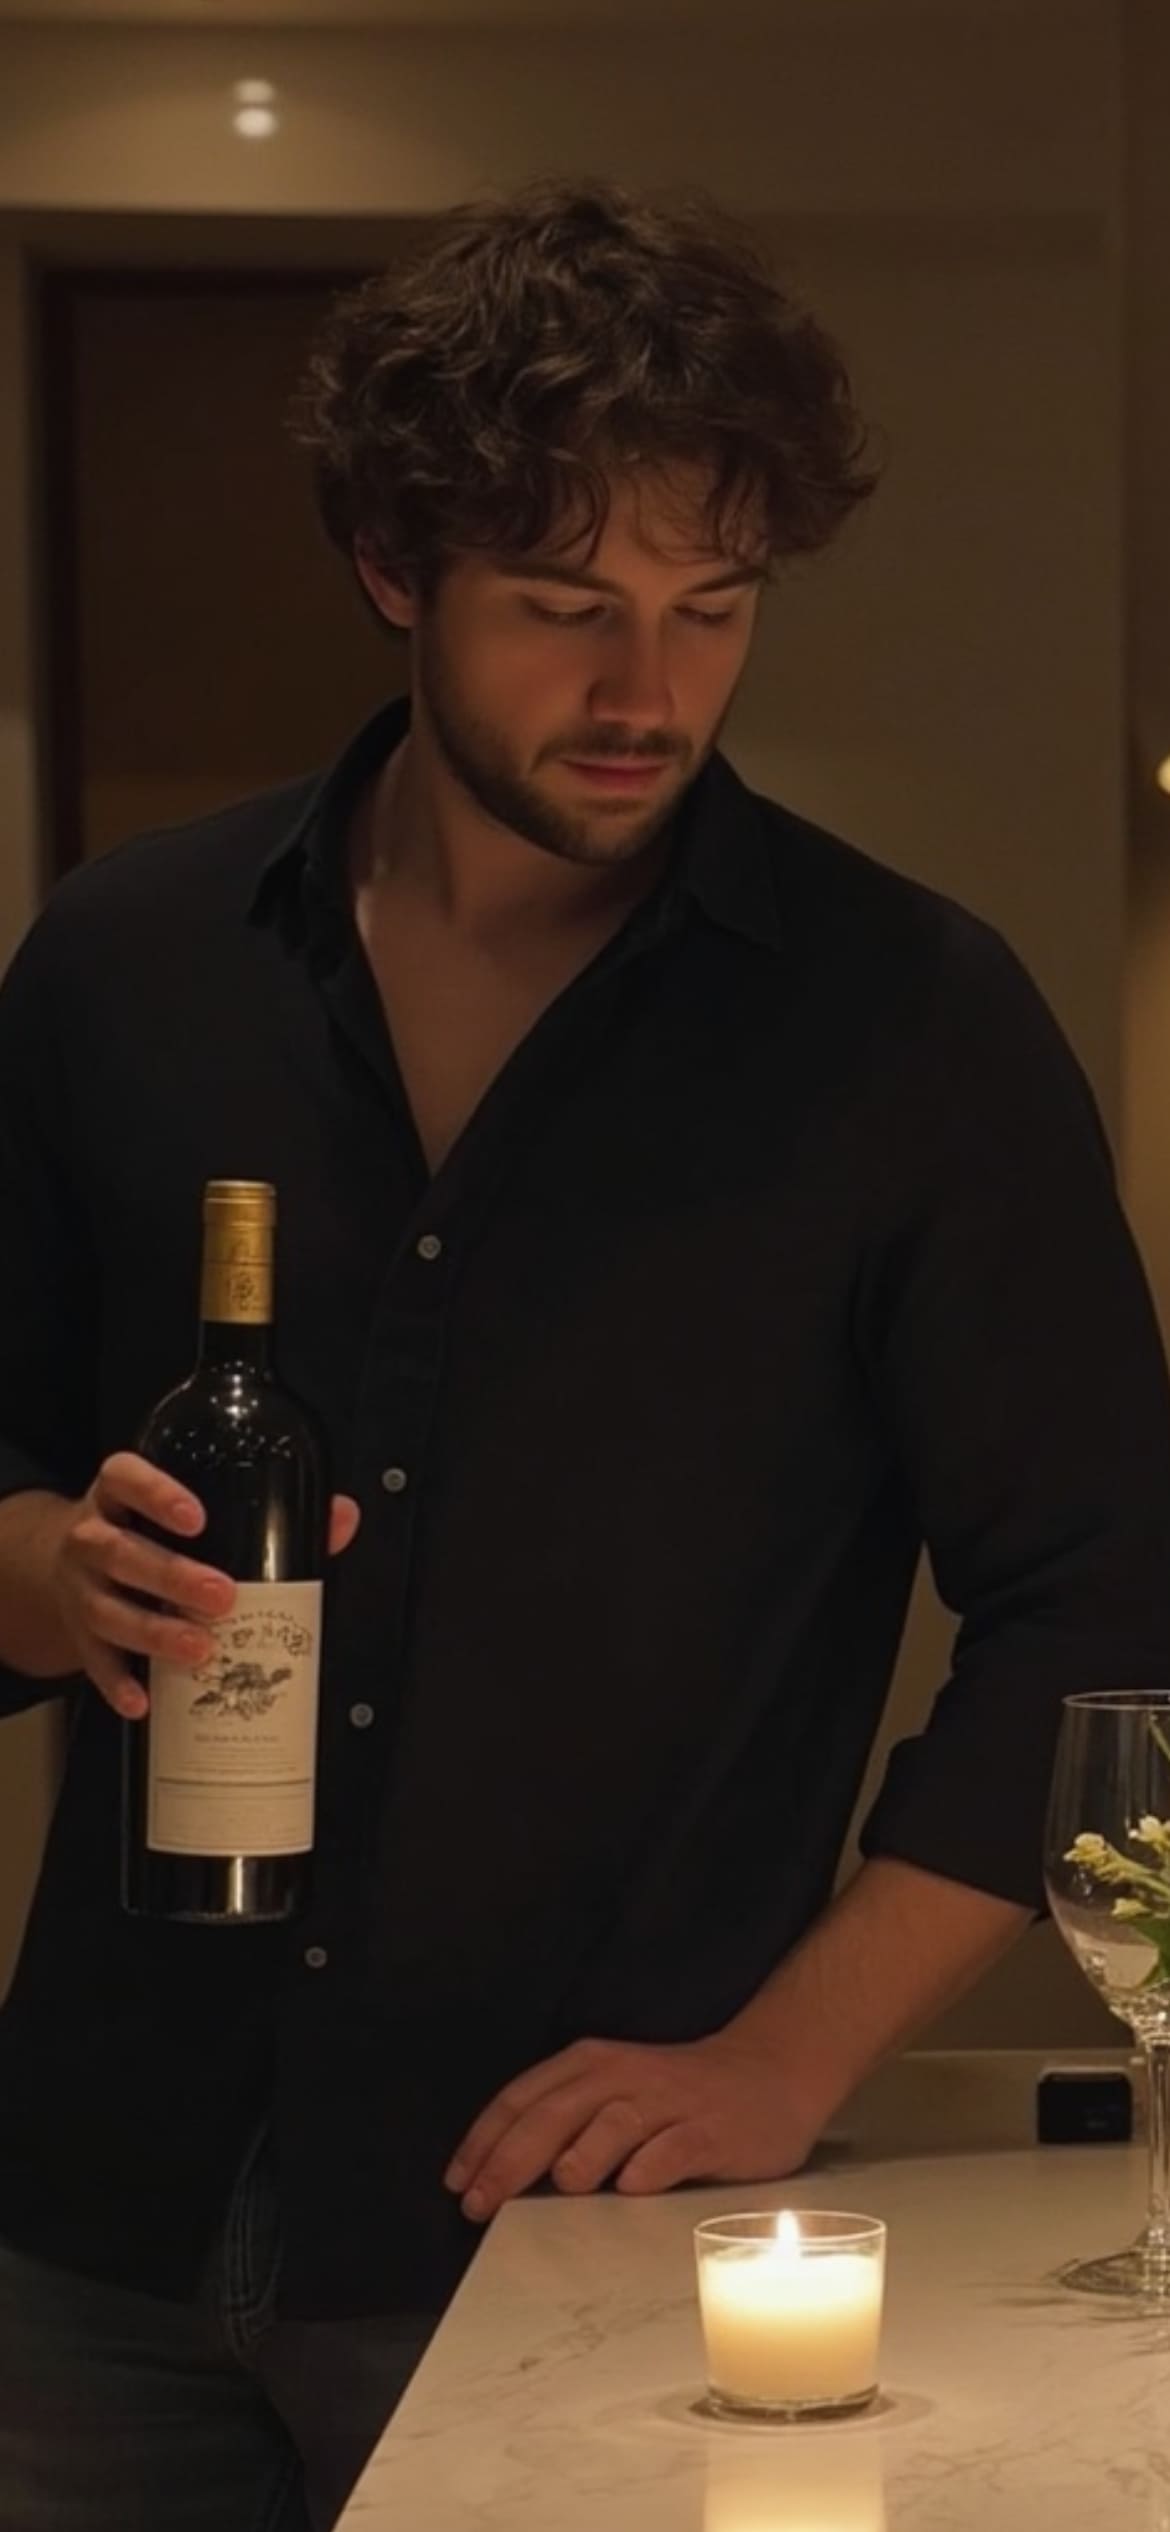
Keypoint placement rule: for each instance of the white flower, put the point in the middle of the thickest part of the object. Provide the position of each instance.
(1095, 1855)
(1152, 1832)
(1088, 1849)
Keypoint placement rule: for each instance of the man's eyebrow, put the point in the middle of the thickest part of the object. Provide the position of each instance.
(511, 567)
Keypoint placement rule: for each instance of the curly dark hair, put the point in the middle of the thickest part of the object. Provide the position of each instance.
(479, 396)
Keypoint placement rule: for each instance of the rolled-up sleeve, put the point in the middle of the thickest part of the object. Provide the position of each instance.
(1009, 1333)
(46, 1283)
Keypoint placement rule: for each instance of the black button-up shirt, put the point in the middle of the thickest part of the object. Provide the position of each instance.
(785, 1241)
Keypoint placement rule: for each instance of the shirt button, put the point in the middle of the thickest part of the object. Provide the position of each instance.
(359, 1717)
(429, 1246)
(394, 1480)
(316, 1956)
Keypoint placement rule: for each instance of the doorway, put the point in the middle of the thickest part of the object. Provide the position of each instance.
(202, 639)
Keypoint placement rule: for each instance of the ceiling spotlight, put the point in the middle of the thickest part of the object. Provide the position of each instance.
(254, 117)
(1162, 774)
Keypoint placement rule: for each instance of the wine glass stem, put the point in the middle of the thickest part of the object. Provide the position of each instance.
(1156, 2238)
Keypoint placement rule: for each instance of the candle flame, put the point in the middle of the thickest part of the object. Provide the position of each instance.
(787, 2231)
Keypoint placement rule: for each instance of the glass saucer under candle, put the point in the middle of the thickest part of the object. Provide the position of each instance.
(791, 2307)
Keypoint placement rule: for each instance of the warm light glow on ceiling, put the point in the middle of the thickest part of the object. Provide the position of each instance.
(1162, 775)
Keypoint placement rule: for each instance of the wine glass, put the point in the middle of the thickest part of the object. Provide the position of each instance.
(1107, 1872)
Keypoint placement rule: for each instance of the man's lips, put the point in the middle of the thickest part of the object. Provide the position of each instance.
(629, 774)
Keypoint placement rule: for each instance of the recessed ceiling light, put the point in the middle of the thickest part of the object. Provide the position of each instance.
(1162, 774)
(255, 118)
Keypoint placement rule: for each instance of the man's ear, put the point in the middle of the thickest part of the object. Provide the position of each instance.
(391, 594)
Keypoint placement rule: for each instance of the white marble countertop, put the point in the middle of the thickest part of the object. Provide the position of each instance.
(562, 2390)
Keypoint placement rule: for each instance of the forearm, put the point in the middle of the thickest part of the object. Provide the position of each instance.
(32, 1635)
(890, 1952)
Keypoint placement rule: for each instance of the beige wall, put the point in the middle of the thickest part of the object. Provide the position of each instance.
(834, 111)
(947, 688)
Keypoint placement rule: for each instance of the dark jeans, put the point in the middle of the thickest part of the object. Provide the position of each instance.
(123, 2413)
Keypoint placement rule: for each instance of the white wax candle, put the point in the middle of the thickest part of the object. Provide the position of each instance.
(783, 2322)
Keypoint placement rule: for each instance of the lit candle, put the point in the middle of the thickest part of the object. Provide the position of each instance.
(791, 2317)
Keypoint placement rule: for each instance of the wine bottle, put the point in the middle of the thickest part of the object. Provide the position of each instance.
(219, 1778)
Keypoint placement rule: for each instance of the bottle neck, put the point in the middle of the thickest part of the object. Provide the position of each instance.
(244, 1341)
(235, 1287)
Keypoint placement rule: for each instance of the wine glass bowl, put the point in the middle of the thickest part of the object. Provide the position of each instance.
(1119, 1962)
(1107, 1875)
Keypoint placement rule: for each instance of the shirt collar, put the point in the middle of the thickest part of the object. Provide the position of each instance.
(725, 858)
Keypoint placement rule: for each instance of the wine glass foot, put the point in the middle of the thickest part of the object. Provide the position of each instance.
(1132, 2273)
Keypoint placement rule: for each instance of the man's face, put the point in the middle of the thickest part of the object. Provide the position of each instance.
(527, 673)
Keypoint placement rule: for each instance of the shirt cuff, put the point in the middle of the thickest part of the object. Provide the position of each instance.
(968, 1798)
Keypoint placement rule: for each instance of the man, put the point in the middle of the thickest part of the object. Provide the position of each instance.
(683, 1218)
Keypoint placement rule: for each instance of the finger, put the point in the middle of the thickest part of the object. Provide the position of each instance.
(344, 1518)
(129, 1629)
(677, 2153)
(112, 1680)
(128, 1483)
(121, 1556)
(509, 2105)
(531, 2146)
(604, 2146)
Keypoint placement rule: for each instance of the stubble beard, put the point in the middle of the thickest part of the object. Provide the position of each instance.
(609, 836)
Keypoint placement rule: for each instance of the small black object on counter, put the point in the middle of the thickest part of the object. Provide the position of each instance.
(1084, 2105)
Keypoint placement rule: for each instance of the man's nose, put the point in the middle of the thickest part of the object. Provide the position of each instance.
(635, 686)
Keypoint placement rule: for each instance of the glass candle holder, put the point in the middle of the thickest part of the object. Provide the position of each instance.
(791, 2308)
